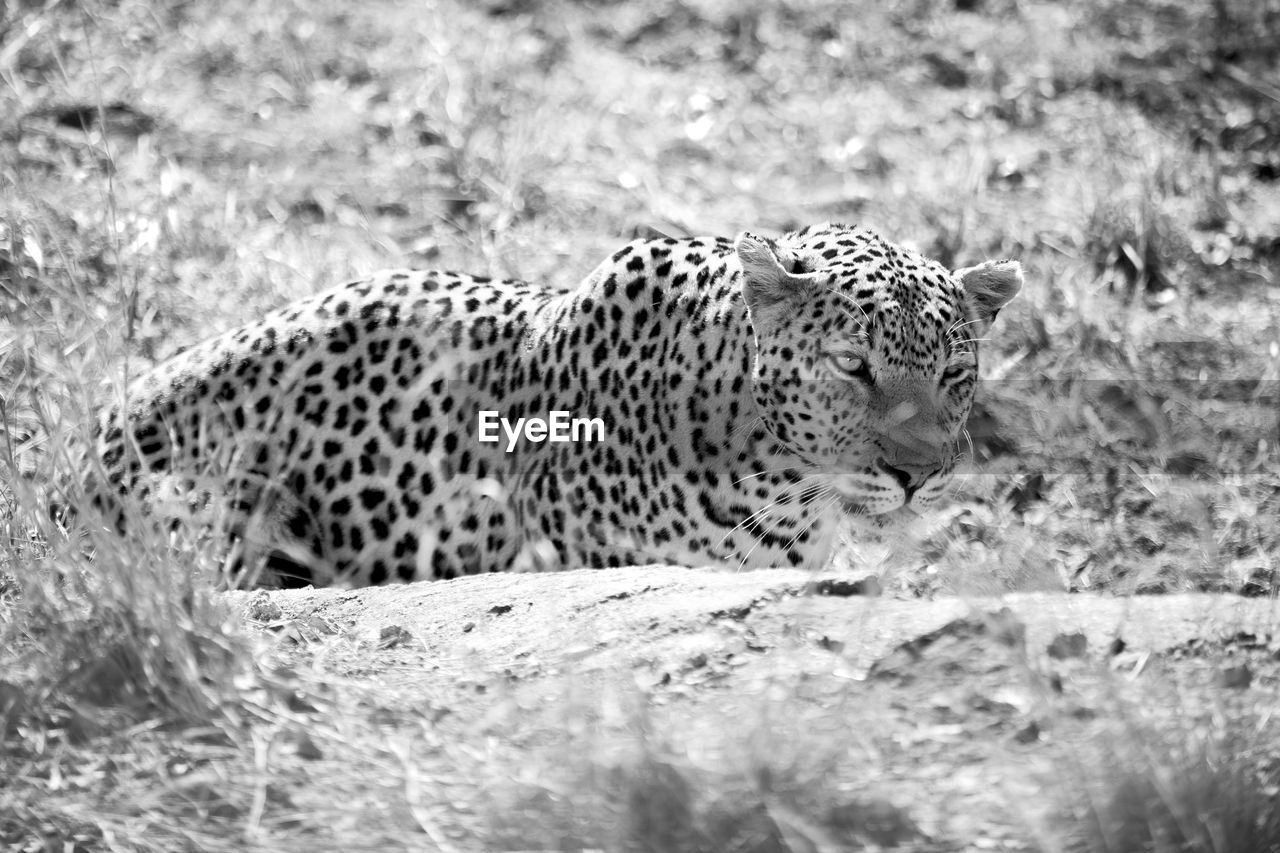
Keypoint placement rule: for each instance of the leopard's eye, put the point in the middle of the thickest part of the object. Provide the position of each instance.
(851, 365)
(955, 373)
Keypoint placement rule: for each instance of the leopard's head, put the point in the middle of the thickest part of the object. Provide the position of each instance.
(866, 358)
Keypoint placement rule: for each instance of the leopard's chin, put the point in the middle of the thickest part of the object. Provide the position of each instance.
(860, 512)
(852, 506)
(902, 514)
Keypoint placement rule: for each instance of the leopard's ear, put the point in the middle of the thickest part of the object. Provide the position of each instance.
(768, 275)
(989, 286)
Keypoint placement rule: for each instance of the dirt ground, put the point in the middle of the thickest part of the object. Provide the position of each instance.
(955, 719)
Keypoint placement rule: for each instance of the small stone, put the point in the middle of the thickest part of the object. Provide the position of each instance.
(1235, 677)
(262, 609)
(392, 636)
(947, 70)
(1030, 733)
(841, 588)
(830, 645)
(317, 625)
(1073, 645)
(1005, 626)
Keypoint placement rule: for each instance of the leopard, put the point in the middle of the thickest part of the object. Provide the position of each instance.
(744, 398)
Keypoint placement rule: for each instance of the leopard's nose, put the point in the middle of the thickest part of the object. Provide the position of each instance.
(909, 477)
(903, 477)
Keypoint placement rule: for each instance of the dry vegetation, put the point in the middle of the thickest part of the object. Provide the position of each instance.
(168, 169)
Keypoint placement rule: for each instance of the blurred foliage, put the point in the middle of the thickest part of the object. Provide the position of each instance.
(170, 169)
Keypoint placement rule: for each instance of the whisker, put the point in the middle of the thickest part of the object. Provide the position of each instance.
(765, 473)
(848, 314)
(786, 492)
(834, 496)
(847, 298)
(953, 334)
(767, 508)
(954, 485)
(957, 326)
(804, 502)
(742, 432)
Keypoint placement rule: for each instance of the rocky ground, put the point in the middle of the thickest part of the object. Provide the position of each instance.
(952, 724)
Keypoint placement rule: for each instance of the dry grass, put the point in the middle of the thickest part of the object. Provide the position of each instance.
(168, 170)
(1155, 793)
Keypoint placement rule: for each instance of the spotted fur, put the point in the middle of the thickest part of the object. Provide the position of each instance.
(752, 391)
